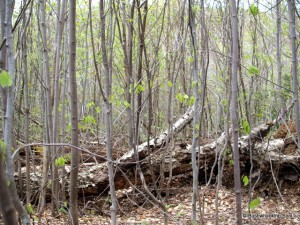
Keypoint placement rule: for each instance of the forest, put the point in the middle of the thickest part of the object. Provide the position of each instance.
(149, 112)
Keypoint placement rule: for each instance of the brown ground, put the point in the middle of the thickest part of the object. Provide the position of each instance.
(134, 208)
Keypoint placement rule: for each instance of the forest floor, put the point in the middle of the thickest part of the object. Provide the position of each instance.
(272, 209)
(134, 207)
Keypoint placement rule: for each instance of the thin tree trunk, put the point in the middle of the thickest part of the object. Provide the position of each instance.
(204, 67)
(63, 112)
(8, 119)
(292, 27)
(3, 59)
(234, 112)
(170, 110)
(107, 63)
(196, 115)
(279, 49)
(74, 116)
(87, 54)
(48, 113)
(56, 93)
(26, 104)
(127, 43)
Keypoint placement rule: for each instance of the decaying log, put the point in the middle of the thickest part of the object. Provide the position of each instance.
(180, 124)
(263, 152)
(93, 178)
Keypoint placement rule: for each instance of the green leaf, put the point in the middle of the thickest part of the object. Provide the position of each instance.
(231, 162)
(2, 145)
(67, 157)
(36, 218)
(197, 127)
(139, 88)
(29, 209)
(191, 59)
(245, 180)
(185, 96)
(5, 79)
(254, 9)
(127, 104)
(2, 148)
(90, 104)
(246, 126)
(60, 162)
(170, 84)
(98, 109)
(253, 70)
(89, 120)
(195, 9)
(63, 210)
(179, 97)
(194, 83)
(254, 203)
(191, 101)
(169, 206)
(111, 98)
(119, 103)
(226, 152)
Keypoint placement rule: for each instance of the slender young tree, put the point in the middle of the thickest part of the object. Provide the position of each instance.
(278, 55)
(3, 55)
(196, 106)
(56, 90)
(64, 110)
(74, 116)
(107, 63)
(48, 112)
(26, 99)
(125, 30)
(293, 37)
(142, 20)
(9, 112)
(234, 110)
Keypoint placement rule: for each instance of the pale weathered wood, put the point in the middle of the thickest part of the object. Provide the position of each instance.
(93, 177)
(180, 124)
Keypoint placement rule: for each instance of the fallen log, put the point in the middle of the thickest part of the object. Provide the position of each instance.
(264, 151)
(161, 140)
(93, 177)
